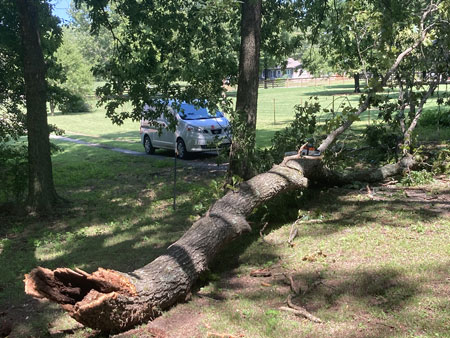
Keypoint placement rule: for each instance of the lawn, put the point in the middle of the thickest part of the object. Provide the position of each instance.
(275, 111)
(368, 266)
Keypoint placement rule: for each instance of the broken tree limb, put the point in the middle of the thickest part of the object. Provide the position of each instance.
(297, 309)
(424, 31)
(302, 311)
(327, 177)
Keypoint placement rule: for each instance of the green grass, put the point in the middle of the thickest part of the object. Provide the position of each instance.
(370, 268)
(275, 112)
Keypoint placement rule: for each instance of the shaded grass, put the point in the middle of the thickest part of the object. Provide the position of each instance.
(369, 269)
(384, 272)
(383, 264)
(120, 216)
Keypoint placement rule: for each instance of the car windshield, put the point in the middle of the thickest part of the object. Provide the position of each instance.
(190, 112)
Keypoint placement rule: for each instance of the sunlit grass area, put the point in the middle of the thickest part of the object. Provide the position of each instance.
(275, 112)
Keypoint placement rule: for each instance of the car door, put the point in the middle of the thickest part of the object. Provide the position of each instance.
(166, 139)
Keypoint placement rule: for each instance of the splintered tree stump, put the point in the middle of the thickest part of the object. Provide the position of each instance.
(113, 301)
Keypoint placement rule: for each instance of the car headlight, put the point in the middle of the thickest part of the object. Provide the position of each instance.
(195, 129)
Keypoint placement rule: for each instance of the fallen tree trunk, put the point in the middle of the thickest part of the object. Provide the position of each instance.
(112, 301)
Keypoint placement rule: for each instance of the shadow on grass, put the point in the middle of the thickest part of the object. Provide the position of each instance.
(121, 219)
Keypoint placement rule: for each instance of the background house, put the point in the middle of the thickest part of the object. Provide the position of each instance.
(293, 70)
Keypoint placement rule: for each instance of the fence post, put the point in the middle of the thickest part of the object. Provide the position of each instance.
(274, 121)
(333, 107)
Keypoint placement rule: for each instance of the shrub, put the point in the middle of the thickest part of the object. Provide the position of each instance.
(73, 104)
(13, 171)
(301, 130)
(435, 117)
(441, 165)
(417, 178)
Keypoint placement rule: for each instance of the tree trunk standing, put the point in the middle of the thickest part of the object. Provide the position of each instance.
(266, 73)
(244, 126)
(41, 192)
(356, 78)
(52, 108)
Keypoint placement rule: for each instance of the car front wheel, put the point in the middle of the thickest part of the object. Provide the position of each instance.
(182, 152)
(149, 149)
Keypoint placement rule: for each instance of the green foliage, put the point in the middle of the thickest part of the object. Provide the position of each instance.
(96, 46)
(315, 62)
(435, 118)
(441, 165)
(347, 113)
(13, 171)
(203, 196)
(414, 178)
(72, 103)
(78, 79)
(300, 130)
(383, 141)
(163, 53)
(12, 85)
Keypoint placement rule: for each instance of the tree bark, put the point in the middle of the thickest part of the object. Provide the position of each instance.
(247, 93)
(41, 192)
(112, 301)
(356, 79)
(266, 73)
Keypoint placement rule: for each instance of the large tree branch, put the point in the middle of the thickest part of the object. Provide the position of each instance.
(407, 134)
(331, 138)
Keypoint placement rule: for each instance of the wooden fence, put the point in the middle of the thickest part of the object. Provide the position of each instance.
(303, 82)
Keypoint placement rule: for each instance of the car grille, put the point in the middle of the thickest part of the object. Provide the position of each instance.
(216, 131)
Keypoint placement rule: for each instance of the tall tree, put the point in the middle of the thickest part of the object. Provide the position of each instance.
(244, 124)
(41, 191)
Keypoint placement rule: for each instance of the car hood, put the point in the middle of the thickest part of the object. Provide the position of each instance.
(219, 122)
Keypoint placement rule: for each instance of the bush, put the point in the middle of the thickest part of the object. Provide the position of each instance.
(301, 130)
(441, 164)
(74, 104)
(383, 140)
(417, 178)
(435, 118)
(13, 172)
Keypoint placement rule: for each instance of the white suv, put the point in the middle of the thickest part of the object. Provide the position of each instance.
(197, 130)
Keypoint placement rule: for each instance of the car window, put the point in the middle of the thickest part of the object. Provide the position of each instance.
(190, 112)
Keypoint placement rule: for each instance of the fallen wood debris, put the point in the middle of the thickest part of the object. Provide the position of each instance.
(261, 273)
(297, 309)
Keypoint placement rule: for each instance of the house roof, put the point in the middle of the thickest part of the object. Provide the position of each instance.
(291, 63)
